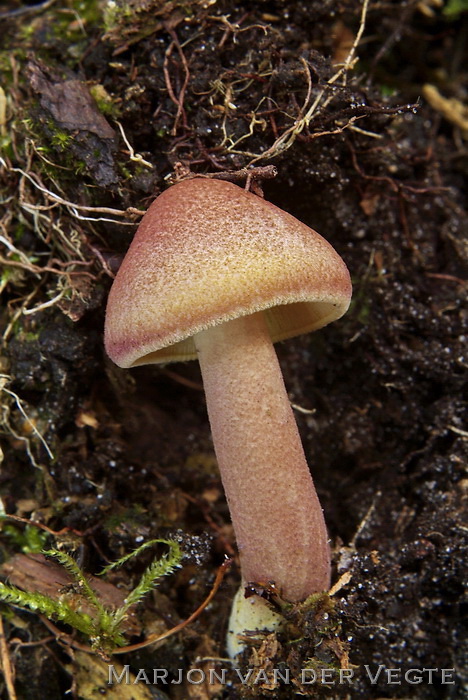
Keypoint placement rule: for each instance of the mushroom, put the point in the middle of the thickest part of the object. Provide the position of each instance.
(218, 273)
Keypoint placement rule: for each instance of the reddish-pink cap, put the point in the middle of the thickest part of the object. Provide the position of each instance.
(206, 252)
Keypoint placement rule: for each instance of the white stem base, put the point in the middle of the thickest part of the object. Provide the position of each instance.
(249, 614)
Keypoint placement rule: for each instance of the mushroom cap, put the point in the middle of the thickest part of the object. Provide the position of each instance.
(206, 252)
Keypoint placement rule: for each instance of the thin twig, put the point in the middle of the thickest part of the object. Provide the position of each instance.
(447, 278)
(73, 205)
(135, 157)
(4, 378)
(41, 526)
(363, 524)
(177, 100)
(19, 644)
(307, 111)
(7, 667)
(27, 9)
(349, 58)
(244, 175)
(45, 304)
(3, 111)
(152, 639)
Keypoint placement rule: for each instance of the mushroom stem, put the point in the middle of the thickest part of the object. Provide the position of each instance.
(278, 522)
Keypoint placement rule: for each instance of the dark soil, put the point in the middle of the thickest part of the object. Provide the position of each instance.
(378, 168)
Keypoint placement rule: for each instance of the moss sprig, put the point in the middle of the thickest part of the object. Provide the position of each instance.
(104, 627)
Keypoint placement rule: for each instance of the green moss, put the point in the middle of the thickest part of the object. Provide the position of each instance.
(28, 540)
(59, 139)
(6, 146)
(5, 68)
(125, 171)
(29, 336)
(454, 8)
(104, 101)
(18, 232)
(115, 14)
(6, 276)
(91, 12)
(26, 32)
(79, 167)
(104, 626)
(72, 25)
(130, 517)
